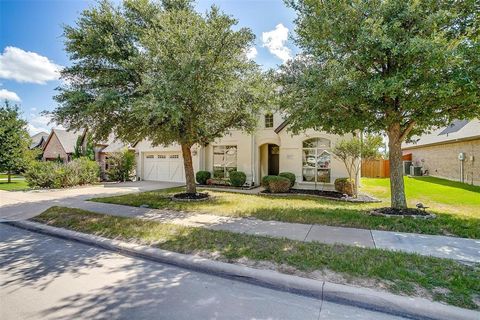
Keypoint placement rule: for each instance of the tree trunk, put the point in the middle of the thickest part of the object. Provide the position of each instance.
(189, 174)
(9, 174)
(397, 186)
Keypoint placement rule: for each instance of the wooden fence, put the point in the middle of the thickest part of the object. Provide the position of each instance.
(376, 168)
(379, 168)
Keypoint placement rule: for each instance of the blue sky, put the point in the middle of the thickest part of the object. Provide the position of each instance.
(32, 51)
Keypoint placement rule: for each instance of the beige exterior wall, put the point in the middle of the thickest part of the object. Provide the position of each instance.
(442, 160)
(54, 149)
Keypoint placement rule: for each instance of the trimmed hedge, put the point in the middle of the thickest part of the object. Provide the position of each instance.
(290, 176)
(276, 184)
(237, 178)
(52, 174)
(345, 185)
(202, 176)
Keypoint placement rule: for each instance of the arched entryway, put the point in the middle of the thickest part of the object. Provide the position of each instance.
(269, 159)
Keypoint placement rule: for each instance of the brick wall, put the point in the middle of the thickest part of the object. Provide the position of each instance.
(442, 160)
(54, 149)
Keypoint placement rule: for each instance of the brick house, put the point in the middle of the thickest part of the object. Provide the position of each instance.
(451, 152)
(60, 144)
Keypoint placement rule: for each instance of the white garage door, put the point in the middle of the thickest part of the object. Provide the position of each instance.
(163, 167)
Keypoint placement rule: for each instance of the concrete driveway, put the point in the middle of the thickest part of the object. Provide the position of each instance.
(20, 205)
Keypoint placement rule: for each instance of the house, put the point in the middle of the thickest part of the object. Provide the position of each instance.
(104, 148)
(61, 144)
(451, 152)
(270, 150)
(38, 140)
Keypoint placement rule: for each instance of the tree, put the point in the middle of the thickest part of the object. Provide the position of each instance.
(121, 165)
(86, 149)
(159, 71)
(352, 151)
(400, 67)
(14, 140)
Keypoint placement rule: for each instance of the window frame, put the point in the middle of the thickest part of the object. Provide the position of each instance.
(268, 121)
(318, 150)
(225, 167)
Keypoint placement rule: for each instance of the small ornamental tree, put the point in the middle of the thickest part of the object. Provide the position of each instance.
(352, 151)
(159, 71)
(401, 67)
(14, 141)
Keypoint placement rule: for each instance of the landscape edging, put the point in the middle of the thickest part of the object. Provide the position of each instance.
(415, 308)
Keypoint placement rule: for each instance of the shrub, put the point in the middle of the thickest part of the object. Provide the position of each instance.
(290, 176)
(121, 165)
(276, 184)
(52, 174)
(345, 185)
(237, 178)
(203, 176)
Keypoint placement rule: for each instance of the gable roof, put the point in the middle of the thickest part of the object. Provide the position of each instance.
(458, 130)
(37, 139)
(68, 139)
(281, 126)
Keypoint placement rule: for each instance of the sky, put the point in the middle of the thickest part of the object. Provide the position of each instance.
(32, 50)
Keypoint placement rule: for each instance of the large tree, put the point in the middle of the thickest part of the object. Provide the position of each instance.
(159, 71)
(14, 140)
(400, 67)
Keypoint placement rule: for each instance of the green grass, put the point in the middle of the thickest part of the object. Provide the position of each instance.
(462, 219)
(403, 273)
(5, 176)
(15, 185)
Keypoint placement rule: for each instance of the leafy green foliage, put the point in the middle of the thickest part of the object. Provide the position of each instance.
(85, 148)
(15, 154)
(121, 165)
(237, 178)
(345, 186)
(53, 174)
(290, 176)
(159, 71)
(203, 176)
(397, 66)
(276, 184)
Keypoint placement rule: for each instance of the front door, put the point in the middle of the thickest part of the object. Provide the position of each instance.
(273, 159)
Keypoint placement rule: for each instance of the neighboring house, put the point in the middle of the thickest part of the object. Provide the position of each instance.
(451, 152)
(268, 151)
(60, 144)
(38, 140)
(105, 148)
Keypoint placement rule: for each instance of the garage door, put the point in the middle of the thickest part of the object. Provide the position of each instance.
(163, 167)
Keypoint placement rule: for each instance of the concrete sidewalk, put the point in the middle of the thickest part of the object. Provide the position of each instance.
(462, 249)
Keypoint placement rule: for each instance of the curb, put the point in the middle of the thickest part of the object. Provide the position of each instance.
(414, 308)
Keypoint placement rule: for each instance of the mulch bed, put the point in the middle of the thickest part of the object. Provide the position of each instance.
(184, 196)
(409, 212)
(321, 193)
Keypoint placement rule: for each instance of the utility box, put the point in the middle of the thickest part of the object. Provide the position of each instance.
(415, 171)
(406, 167)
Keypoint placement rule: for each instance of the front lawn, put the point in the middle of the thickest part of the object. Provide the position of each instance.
(403, 273)
(451, 220)
(15, 185)
(5, 176)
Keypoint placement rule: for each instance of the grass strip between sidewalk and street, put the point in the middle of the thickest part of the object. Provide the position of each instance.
(402, 273)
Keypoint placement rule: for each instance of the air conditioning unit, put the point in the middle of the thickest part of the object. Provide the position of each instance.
(415, 171)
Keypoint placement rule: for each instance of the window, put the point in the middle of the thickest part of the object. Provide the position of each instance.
(150, 156)
(161, 156)
(224, 161)
(174, 156)
(316, 160)
(269, 120)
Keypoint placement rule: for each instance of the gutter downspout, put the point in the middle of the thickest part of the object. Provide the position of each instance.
(253, 158)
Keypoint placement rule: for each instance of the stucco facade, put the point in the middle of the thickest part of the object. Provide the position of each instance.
(266, 151)
(442, 160)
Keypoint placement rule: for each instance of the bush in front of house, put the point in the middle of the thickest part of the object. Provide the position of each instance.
(202, 176)
(276, 184)
(52, 174)
(345, 186)
(290, 176)
(121, 165)
(237, 178)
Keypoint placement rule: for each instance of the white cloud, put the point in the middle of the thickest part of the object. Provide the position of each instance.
(9, 95)
(251, 53)
(25, 66)
(41, 123)
(275, 41)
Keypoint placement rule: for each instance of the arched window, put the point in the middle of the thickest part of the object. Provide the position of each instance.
(316, 160)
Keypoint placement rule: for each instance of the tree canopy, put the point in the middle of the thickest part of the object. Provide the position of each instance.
(14, 140)
(159, 71)
(396, 66)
